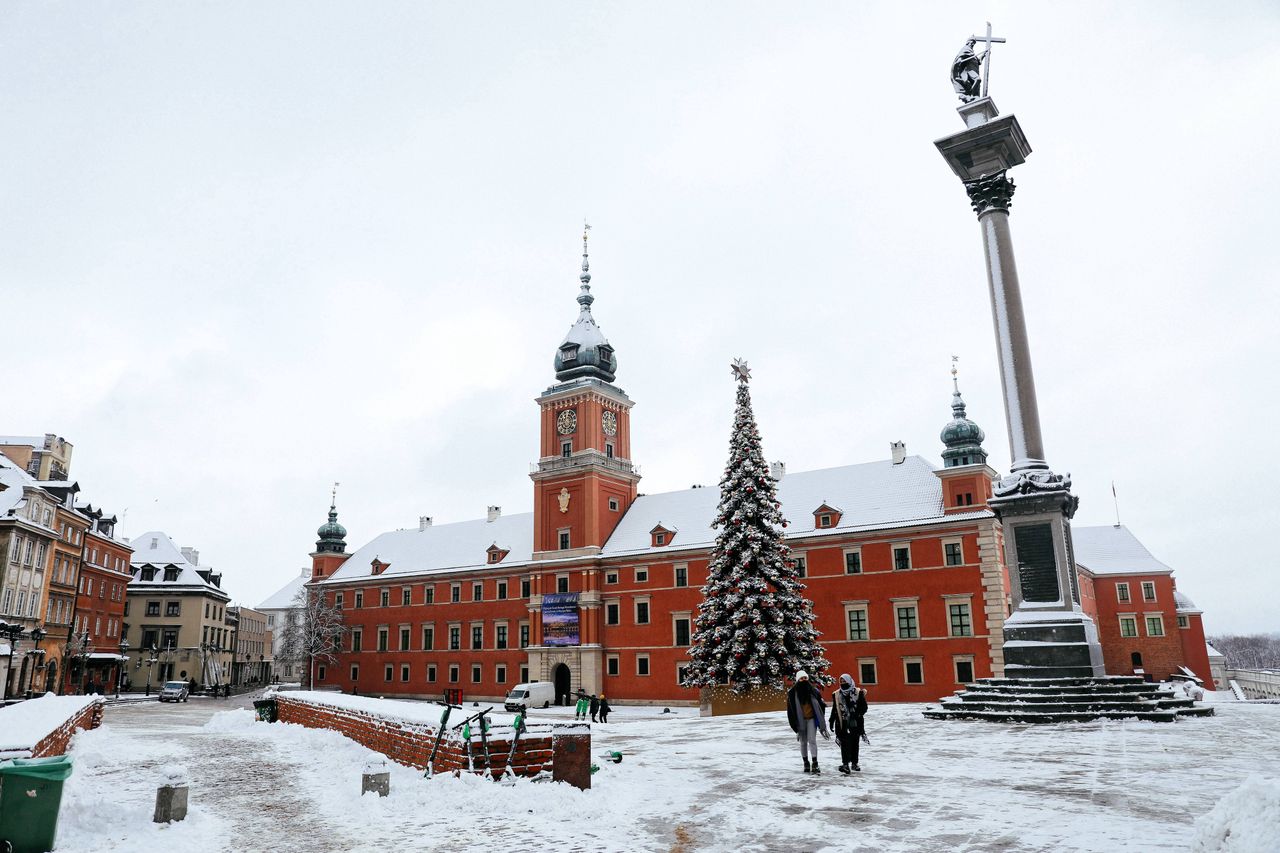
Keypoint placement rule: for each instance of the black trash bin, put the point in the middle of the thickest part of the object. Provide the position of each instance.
(30, 797)
(267, 710)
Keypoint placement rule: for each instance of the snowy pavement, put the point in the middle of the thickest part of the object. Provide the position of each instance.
(685, 784)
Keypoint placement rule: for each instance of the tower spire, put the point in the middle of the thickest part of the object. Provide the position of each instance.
(962, 438)
(584, 296)
(585, 352)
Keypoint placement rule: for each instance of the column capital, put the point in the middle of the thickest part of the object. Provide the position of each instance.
(994, 192)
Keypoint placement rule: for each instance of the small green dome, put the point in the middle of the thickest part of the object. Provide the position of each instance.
(962, 437)
(332, 535)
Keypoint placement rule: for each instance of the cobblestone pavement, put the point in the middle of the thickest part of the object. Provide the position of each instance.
(685, 784)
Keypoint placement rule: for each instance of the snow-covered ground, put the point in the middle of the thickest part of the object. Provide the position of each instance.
(690, 784)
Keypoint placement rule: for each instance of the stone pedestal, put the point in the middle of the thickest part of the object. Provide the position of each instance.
(171, 803)
(375, 778)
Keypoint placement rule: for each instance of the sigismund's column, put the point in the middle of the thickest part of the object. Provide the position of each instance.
(1047, 635)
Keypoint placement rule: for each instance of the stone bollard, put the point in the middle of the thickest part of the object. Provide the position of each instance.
(171, 803)
(376, 778)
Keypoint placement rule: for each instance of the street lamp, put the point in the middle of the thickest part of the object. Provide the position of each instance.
(151, 663)
(37, 634)
(124, 658)
(12, 632)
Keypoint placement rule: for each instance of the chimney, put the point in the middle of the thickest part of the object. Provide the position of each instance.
(192, 556)
(424, 521)
(899, 451)
(306, 572)
(778, 470)
(494, 513)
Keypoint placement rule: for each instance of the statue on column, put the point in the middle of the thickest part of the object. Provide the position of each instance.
(966, 72)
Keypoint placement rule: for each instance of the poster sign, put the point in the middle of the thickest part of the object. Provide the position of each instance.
(560, 619)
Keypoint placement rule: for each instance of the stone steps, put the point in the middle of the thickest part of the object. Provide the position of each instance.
(1059, 700)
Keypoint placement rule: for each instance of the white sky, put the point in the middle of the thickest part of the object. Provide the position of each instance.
(250, 249)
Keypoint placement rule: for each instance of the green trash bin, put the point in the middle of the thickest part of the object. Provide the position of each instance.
(267, 710)
(30, 796)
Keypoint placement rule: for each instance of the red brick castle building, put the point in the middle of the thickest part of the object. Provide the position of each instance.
(597, 588)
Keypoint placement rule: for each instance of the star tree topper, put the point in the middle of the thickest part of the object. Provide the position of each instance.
(741, 372)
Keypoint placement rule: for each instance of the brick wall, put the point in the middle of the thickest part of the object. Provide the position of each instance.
(55, 743)
(562, 750)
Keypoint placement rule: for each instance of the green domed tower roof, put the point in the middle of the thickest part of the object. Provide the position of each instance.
(333, 536)
(961, 437)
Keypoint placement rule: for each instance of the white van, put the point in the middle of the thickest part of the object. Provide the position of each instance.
(535, 694)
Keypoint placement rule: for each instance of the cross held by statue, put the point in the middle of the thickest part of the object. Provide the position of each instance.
(986, 57)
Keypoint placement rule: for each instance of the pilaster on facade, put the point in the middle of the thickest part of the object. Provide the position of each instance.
(995, 593)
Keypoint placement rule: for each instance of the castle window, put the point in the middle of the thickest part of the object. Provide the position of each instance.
(824, 520)
(914, 670)
(901, 557)
(562, 583)
(453, 673)
(525, 584)
(566, 449)
(682, 575)
(171, 574)
(857, 617)
(500, 674)
(1122, 592)
(908, 624)
(642, 611)
(611, 665)
(502, 590)
(964, 670)
(642, 575)
(431, 672)
(867, 671)
(953, 553)
(613, 504)
(1184, 621)
(608, 450)
(429, 594)
(1148, 591)
(477, 592)
(1155, 626)
(682, 631)
(455, 593)
(642, 664)
(961, 620)
(610, 577)
(801, 563)
(660, 539)
(1128, 626)
(359, 599)
(853, 562)
(611, 613)
(406, 596)
(569, 353)
(384, 598)
(564, 540)
(475, 673)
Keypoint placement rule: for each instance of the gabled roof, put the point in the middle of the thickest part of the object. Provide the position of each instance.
(875, 495)
(1113, 550)
(155, 548)
(282, 599)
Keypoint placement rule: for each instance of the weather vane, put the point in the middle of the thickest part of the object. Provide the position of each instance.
(740, 370)
(970, 72)
(333, 500)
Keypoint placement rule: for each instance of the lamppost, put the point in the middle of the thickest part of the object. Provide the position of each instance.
(37, 634)
(12, 632)
(83, 654)
(151, 664)
(124, 652)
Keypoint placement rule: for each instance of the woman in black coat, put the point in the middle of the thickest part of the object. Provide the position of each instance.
(604, 709)
(848, 707)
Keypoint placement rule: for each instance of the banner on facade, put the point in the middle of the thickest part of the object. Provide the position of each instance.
(560, 619)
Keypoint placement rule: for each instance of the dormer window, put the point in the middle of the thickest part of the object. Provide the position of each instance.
(495, 554)
(149, 573)
(171, 574)
(661, 536)
(826, 516)
(377, 566)
(606, 353)
(569, 353)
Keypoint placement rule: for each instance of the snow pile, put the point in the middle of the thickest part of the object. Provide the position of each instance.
(1245, 821)
(25, 724)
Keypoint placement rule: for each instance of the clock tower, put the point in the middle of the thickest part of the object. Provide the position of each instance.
(584, 480)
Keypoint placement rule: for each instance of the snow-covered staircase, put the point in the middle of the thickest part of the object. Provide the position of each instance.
(1060, 700)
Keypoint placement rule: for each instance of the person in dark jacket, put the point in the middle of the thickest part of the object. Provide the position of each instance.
(806, 712)
(604, 709)
(594, 707)
(848, 707)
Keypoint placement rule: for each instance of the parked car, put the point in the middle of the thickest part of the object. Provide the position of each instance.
(173, 691)
(535, 694)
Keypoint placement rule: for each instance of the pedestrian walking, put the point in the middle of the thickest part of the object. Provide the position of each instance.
(806, 712)
(604, 709)
(594, 706)
(848, 707)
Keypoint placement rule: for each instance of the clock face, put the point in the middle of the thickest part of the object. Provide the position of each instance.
(610, 422)
(567, 422)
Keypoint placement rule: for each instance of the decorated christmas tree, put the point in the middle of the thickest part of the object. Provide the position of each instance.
(754, 627)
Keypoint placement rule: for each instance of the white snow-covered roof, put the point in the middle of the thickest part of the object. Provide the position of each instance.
(871, 495)
(14, 480)
(874, 495)
(1113, 550)
(282, 599)
(442, 547)
(1213, 653)
(155, 548)
(1185, 604)
(32, 440)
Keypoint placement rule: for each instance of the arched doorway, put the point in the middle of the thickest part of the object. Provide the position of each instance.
(564, 682)
(51, 677)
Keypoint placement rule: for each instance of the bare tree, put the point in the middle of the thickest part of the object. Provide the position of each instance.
(313, 631)
(1249, 651)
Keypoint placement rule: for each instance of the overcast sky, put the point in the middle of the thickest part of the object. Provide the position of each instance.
(250, 249)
